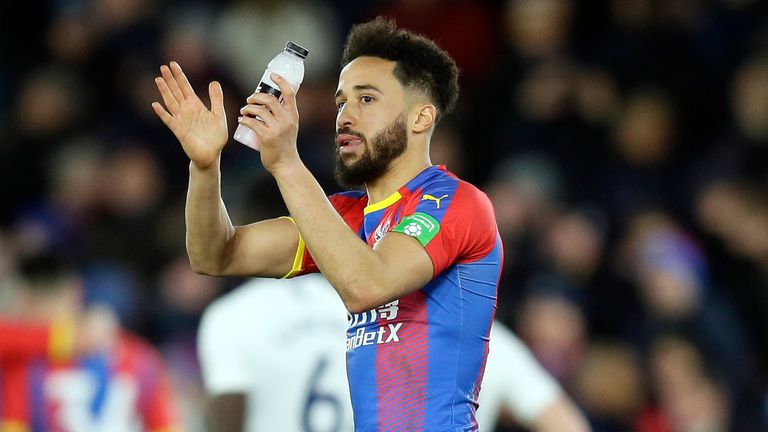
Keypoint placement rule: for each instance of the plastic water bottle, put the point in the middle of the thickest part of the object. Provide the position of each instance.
(289, 64)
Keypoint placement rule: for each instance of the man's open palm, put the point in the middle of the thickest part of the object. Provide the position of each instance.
(201, 132)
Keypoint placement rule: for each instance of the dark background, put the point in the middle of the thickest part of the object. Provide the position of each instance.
(624, 144)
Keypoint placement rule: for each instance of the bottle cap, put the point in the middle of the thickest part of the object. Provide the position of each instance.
(297, 49)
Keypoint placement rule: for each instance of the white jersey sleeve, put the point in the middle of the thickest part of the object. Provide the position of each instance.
(513, 380)
(223, 355)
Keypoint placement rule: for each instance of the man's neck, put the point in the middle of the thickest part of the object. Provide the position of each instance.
(401, 171)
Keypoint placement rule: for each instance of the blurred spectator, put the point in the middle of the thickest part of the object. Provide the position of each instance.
(645, 132)
(76, 187)
(675, 288)
(750, 92)
(49, 108)
(538, 28)
(644, 140)
(735, 216)
(671, 274)
(596, 96)
(553, 326)
(740, 150)
(738, 214)
(184, 295)
(574, 245)
(132, 189)
(49, 104)
(116, 381)
(609, 386)
(525, 191)
(690, 397)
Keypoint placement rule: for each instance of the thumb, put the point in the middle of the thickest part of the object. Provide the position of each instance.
(217, 98)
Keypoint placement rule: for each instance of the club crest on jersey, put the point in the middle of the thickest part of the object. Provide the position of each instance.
(380, 231)
(428, 197)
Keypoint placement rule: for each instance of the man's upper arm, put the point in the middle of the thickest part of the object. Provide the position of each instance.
(453, 221)
(407, 265)
(274, 247)
(447, 222)
(267, 249)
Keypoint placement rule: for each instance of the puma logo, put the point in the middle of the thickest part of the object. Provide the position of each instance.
(432, 198)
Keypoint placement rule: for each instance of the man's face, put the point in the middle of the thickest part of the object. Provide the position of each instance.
(371, 125)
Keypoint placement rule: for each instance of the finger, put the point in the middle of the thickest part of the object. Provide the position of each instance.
(186, 88)
(286, 91)
(170, 80)
(168, 98)
(255, 124)
(163, 114)
(217, 99)
(267, 100)
(258, 110)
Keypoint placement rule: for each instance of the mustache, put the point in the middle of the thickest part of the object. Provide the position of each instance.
(348, 131)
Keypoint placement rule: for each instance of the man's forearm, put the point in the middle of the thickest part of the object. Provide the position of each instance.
(561, 416)
(208, 226)
(348, 263)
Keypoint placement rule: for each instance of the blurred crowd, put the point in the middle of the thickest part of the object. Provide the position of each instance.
(624, 144)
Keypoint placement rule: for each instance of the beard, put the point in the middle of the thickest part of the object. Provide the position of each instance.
(384, 147)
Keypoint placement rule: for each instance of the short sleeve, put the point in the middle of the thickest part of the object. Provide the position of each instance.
(453, 220)
(350, 206)
(223, 364)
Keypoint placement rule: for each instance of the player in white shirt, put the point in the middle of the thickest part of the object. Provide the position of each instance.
(273, 358)
(514, 382)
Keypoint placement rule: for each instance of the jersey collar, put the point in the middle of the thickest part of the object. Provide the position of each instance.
(408, 187)
(386, 202)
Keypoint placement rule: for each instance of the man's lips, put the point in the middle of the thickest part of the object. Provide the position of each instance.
(348, 142)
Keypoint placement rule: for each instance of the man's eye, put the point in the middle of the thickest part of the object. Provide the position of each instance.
(340, 105)
(366, 99)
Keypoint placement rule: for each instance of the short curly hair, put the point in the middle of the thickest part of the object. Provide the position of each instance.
(421, 64)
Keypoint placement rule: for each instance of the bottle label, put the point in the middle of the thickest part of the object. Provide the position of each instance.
(268, 89)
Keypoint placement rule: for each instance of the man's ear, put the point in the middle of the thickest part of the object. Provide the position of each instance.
(425, 118)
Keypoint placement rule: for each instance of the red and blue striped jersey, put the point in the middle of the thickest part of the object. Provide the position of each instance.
(417, 363)
(126, 389)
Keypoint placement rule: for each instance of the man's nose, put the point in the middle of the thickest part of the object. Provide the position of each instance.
(346, 117)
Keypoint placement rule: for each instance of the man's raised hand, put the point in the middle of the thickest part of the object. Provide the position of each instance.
(201, 132)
